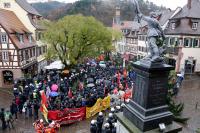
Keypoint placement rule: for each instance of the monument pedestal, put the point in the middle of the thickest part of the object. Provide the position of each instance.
(126, 126)
(147, 109)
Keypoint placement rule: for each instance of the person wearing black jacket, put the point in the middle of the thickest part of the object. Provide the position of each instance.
(14, 109)
(100, 120)
(111, 120)
(93, 127)
(36, 107)
(2, 117)
(107, 128)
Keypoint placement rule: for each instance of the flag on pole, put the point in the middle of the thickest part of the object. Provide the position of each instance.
(44, 105)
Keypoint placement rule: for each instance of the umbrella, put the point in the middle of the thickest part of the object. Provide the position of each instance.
(89, 80)
(73, 70)
(54, 87)
(115, 91)
(107, 82)
(65, 71)
(90, 85)
(53, 94)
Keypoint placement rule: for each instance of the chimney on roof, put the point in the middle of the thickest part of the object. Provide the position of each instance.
(189, 4)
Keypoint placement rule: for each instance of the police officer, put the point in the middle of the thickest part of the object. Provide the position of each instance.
(114, 130)
(111, 120)
(100, 120)
(93, 127)
(107, 128)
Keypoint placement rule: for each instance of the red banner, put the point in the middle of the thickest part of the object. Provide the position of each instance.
(68, 115)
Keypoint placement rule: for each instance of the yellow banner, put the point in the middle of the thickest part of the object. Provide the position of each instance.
(106, 103)
(91, 111)
(98, 107)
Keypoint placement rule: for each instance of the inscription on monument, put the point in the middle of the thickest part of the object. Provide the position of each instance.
(157, 93)
(139, 95)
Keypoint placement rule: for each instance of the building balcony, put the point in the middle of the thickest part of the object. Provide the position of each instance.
(173, 50)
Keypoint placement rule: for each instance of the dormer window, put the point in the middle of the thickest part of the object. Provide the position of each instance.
(7, 5)
(173, 25)
(30, 38)
(194, 25)
(20, 37)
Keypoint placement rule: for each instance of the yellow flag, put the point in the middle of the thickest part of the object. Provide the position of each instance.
(45, 113)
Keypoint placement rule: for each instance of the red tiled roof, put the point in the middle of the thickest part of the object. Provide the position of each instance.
(13, 25)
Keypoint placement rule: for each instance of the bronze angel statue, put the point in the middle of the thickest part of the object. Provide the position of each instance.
(154, 34)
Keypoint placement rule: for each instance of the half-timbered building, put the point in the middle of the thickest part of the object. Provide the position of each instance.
(17, 49)
(31, 20)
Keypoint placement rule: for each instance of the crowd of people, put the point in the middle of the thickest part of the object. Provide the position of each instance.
(79, 87)
(108, 125)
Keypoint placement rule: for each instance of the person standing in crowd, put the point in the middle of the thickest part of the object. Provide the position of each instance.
(100, 120)
(36, 107)
(2, 117)
(114, 130)
(93, 127)
(9, 119)
(29, 106)
(15, 92)
(14, 109)
(111, 120)
(107, 128)
(25, 109)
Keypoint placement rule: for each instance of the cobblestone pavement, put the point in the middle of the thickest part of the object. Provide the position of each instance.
(189, 94)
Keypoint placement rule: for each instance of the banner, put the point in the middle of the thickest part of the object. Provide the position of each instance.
(68, 115)
(91, 111)
(98, 107)
(106, 103)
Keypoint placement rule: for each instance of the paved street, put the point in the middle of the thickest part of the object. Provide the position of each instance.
(189, 94)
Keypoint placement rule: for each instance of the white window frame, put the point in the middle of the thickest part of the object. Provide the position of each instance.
(173, 25)
(5, 55)
(188, 46)
(21, 39)
(30, 38)
(4, 38)
(197, 43)
(194, 25)
(7, 5)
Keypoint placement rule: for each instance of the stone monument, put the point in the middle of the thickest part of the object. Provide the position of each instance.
(148, 108)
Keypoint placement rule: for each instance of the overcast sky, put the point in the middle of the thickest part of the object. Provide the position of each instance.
(167, 3)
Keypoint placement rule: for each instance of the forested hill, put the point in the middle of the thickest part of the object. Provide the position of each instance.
(103, 10)
(47, 7)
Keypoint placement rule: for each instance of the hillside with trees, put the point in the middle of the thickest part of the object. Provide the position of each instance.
(102, 10)
(45, 8)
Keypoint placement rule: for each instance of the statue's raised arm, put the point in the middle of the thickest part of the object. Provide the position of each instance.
(137, 10)
(154, 33)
